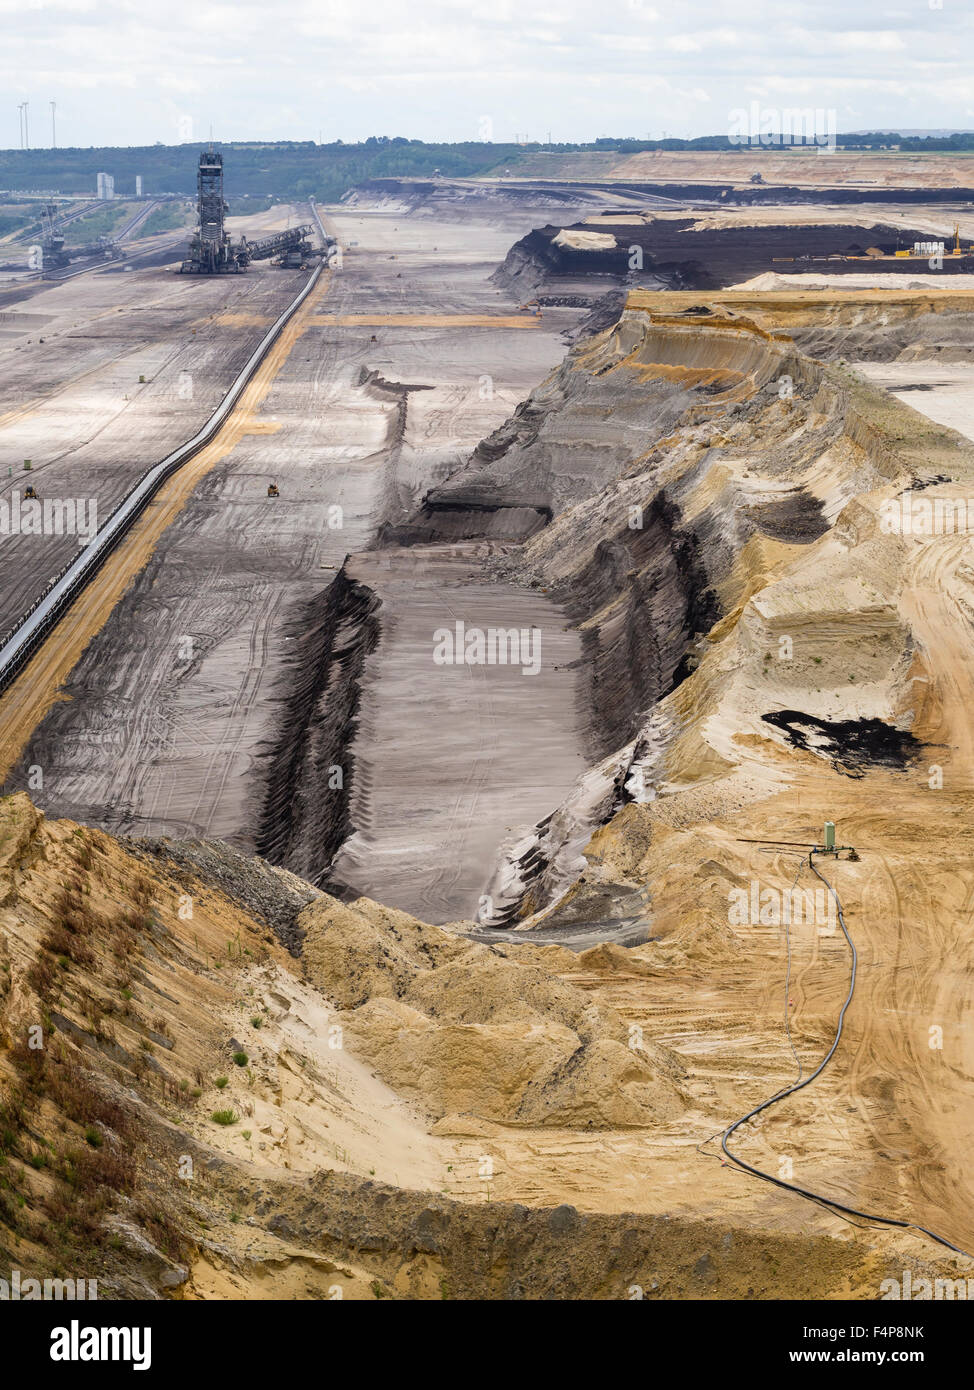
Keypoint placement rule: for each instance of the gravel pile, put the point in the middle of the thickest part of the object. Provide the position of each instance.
(272, 895)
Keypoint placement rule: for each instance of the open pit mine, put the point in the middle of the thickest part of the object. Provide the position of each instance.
(486, 674)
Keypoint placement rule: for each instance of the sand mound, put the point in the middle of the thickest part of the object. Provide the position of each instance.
(531, 1072)
(457, 1068)
(468, 1030)
(609, 958)
(607, 1086)
(481, 987)
(368, 951)
(585, 241)
(770, 280)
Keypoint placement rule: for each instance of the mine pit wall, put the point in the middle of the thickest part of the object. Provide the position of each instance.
(643, 595)
(674, 254)
(938, 328)
(306, 775)
(405, 475)
(642, 598)
(640, 595)
(558, 448)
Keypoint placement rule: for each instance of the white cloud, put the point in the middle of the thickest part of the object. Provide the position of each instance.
(433, 68)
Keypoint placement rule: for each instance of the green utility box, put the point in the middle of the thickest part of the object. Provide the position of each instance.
(829, 836)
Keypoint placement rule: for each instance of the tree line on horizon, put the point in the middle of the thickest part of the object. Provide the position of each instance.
(302, 169)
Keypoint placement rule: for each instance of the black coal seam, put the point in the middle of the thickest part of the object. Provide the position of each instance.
(676, 254)
(462, 506)
(303, 819)
(460, 520)
(656, 581)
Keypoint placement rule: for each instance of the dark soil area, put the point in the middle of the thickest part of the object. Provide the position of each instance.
(852, 745)
(673, 253)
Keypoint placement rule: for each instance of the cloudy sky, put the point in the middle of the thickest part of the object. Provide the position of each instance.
(134, 72)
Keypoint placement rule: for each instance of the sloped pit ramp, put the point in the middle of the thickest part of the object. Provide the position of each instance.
(447, 759)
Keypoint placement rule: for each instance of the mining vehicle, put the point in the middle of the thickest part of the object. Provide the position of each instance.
(53, 239)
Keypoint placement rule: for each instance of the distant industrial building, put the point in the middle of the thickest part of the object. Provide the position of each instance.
(106, 187)
(138, 185)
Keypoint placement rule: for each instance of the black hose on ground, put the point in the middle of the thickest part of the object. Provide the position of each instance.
(806, 1081)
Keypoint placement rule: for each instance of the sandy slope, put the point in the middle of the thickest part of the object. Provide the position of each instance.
(878, 627)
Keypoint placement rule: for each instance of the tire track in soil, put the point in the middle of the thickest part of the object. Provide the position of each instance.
(27, 701)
